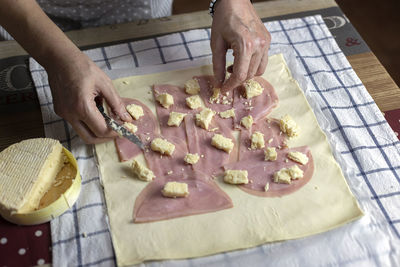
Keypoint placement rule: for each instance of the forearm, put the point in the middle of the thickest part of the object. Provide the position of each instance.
(35, 32)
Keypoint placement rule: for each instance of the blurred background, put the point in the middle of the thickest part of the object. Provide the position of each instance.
(378, 22)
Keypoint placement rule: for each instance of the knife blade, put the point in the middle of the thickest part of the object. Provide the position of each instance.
(120, 129)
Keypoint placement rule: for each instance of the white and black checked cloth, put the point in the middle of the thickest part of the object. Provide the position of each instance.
(364, 144)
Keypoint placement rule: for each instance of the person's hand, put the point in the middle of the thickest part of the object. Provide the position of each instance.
(236, 26)
(75, 82)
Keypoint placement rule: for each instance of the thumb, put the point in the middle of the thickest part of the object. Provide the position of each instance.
(114, 101)
(218, 49)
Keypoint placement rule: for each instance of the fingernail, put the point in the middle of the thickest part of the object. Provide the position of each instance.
(125, 116)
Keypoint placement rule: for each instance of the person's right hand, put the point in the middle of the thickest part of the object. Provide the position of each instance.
(75, 82)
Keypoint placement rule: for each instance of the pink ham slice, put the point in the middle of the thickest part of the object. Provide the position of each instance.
(163, 165)
(199, 141)
(179, 106)
(206, 83)
(271, 130)
(261, 172)
(260, 105)
(147, 125)
(204, 196)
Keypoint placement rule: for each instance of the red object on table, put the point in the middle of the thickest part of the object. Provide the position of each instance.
(24, 245)
(393, 118)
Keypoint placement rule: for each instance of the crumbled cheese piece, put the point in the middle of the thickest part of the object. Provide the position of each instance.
(203, 119)
(298, 157)
(223, 143)
(257, 140)
(141, 171)
(270, 154)
(289, 126)
(270, 140)
(130, 126)
(252, 88)
(170, 172)
(282, 176)
(175, 118)
(192, 87)
(125, 82)
(236, 177)
(230, 113)
(193, 102)
(191, 158)
(266, 188)
(162, 146)
(165, 100)
(136, 111)
(215, 95)
(247, 121)
(295, 172)
(175, 189)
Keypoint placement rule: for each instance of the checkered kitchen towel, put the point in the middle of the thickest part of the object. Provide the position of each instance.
(365, 146)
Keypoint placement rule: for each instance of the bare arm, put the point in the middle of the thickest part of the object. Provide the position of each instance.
(74, 79)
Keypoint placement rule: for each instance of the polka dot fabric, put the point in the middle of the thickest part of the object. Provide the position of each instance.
(24, 245)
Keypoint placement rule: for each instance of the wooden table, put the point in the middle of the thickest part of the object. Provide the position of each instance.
(17, 126)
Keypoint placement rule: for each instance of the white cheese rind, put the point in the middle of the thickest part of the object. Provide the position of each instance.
(141, 171)
(247, 121)
(223, 143)
(193, 102)
(165, 100)
(257, 140)
(191, 158)
(236, 177)
(298, 157)
(252, 89)
(175, 118)
(204, 118)
(162, 146)
(175, 189)
(27, 171)
(136, 111)
(192, 87)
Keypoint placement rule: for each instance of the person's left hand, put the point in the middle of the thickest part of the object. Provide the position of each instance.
(236, 26)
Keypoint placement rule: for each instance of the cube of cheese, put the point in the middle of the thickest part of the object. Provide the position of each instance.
(193, 102)
(191, 158)
(223, 143)
(192, 87)
(230, 113)
(257, 140)
(175, 189)
(298, 157)
(215, 96)
(295, 172)
(236, 177)
(282, 176)
(165, 100)
(266, 187)
(136, 111)
(162, 146)
(175, 118)
(270, 154)
(289, 126)
(204, 118)
(141, 171)
(252, 89)
(247, 121)
(130, 126)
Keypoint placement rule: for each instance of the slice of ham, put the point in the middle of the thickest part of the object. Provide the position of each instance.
(147, 124)
(204, 196)
(261, 172)
(271, 130)
(258, 107)
(179, 105)
(206, 83)
(199, 141)
(163, 165)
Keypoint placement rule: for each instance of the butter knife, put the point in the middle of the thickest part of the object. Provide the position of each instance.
(120, 129)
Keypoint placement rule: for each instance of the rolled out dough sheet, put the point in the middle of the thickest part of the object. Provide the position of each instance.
(323, 204)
